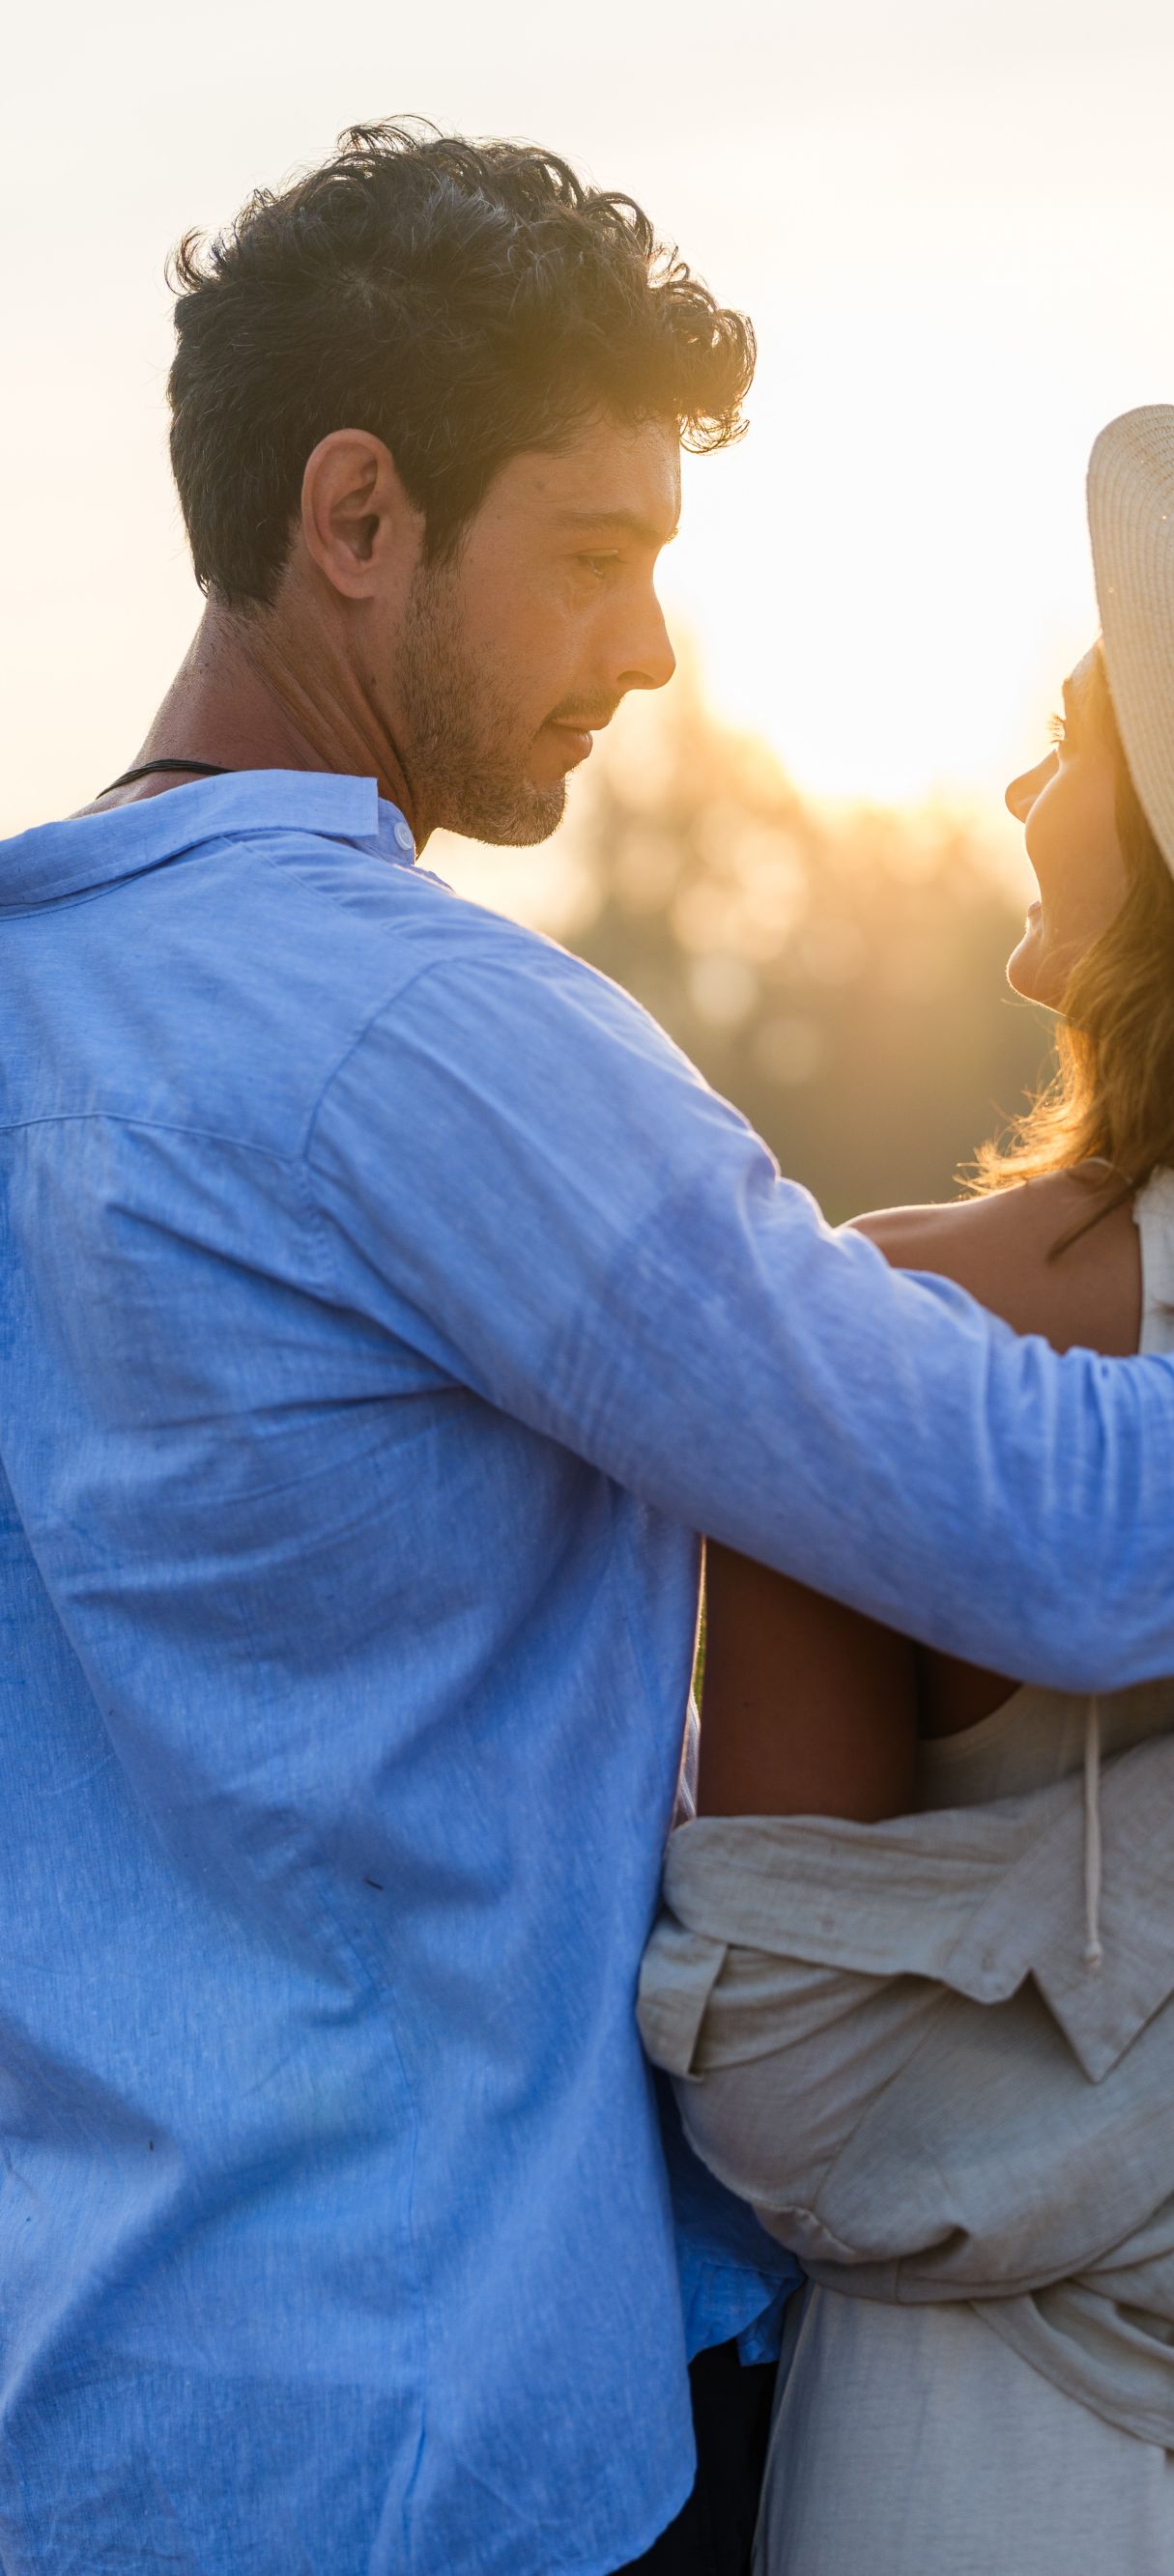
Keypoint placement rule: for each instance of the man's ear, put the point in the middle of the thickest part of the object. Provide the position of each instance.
(357, 519)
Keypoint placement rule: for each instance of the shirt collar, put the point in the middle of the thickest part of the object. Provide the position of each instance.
(93, 850)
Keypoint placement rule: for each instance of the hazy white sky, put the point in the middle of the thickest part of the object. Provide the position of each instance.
(951, 222)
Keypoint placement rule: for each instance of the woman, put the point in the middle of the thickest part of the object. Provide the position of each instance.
(915, 1973)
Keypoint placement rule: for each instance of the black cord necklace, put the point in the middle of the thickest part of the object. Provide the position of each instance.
(186, 768)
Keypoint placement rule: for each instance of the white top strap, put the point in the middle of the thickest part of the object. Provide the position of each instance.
(1153, 1215)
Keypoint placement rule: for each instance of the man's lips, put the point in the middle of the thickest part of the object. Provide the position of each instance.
(574, 743)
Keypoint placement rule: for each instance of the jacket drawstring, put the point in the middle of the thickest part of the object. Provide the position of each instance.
(1093, 1952)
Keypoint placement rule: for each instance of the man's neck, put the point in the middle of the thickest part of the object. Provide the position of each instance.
(240, 700)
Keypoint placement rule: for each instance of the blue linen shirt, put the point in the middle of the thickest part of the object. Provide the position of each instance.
(384, 1304)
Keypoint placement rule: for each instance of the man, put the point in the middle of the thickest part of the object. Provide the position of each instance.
(386, 1306)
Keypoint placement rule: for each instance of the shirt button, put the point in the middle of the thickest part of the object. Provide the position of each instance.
(403, 836)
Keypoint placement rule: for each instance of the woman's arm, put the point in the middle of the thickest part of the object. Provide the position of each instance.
(808, 1709)
(811, 1709)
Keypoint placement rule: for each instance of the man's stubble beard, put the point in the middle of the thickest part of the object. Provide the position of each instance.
(459, 739)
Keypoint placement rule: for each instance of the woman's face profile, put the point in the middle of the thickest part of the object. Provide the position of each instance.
(1067, 805)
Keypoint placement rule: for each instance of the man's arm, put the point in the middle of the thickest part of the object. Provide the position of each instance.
(535, 1186)
(810, 1709)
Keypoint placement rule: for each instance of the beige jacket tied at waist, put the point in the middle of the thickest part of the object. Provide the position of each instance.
(888, 2038)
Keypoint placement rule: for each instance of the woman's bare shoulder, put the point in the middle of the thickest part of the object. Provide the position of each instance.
(1000, 1248)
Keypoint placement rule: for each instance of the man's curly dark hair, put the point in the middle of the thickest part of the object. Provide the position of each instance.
(462, 301)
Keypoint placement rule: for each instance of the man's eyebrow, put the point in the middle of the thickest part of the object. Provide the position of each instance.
(620, 523)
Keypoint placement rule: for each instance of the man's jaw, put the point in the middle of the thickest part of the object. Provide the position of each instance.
(521, 811)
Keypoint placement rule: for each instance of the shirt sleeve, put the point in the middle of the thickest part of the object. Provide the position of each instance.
(521, 1173)
(887, 2037)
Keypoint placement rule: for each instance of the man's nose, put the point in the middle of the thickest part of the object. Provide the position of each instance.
(647, 658)
(1022, 792)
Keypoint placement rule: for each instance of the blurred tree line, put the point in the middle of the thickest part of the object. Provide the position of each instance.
(841, 978)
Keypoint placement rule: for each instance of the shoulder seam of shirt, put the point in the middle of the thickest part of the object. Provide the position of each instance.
(442, 966)
(430, 966)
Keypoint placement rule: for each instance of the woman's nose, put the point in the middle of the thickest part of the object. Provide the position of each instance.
(1022, 792)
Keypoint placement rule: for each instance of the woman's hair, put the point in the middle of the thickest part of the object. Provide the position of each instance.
(1111, 1099)
(461, 301)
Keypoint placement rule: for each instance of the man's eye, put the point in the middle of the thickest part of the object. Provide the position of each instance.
(600, 565)
(1057, 732)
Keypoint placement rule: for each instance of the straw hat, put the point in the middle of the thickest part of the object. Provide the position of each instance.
(1131, 517)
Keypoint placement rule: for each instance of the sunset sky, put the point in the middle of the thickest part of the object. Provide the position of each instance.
(950, 222)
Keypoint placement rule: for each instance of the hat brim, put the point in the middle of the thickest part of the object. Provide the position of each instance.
(1131, 522)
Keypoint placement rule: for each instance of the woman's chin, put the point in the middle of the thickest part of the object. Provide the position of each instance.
(1027, 972)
